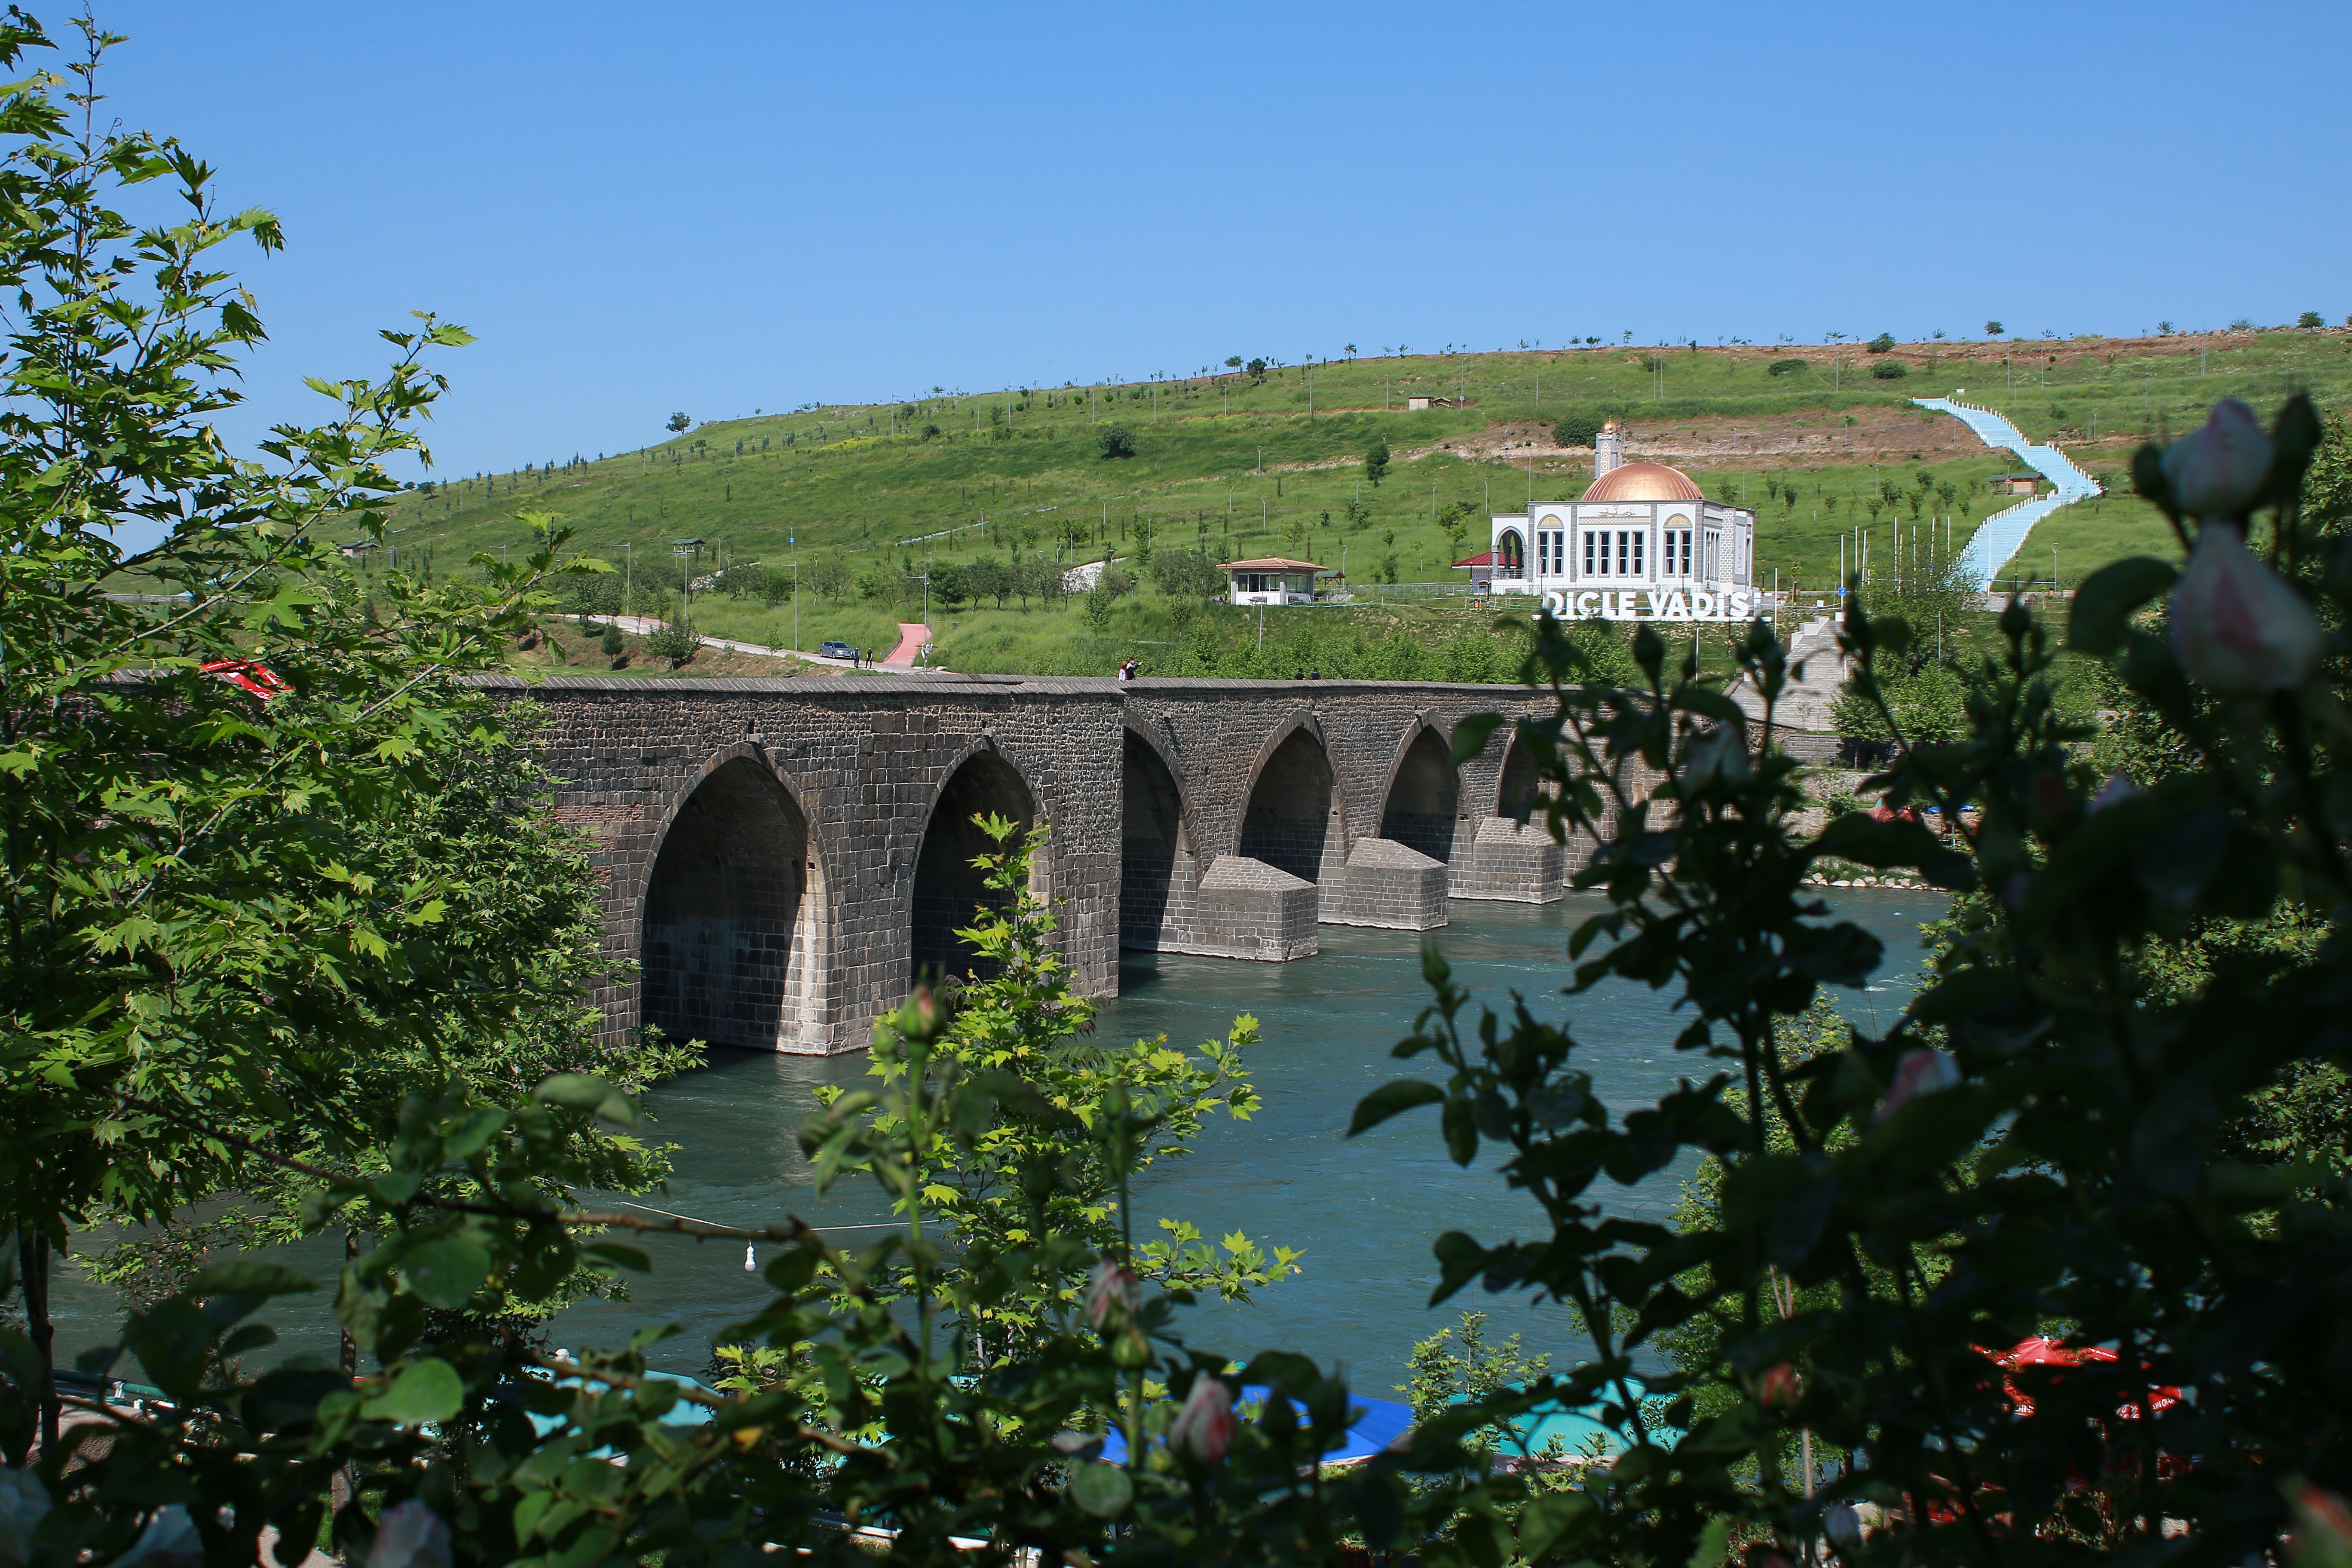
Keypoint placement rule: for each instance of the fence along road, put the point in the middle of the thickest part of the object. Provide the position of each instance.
(2003, 535)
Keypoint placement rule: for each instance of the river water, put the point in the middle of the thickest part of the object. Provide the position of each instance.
(1363, 1211)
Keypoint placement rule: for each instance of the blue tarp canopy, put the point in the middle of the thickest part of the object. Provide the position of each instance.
(1379, 1423)
(685, 1413)
(1574, 1427)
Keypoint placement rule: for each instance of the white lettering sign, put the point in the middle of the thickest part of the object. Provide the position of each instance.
(1737, 605)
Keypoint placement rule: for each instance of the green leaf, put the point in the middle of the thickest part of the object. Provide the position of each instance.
(585, 1091)
(425, 1391)
(1470, 735)
(473, 1132)
(1713, 1542)
(1883, 845)
(628, 1257)
(572, 1090)
(2107, 599)
(447, 1271)
(248, 1277)
(1459, 1259)
(1103, 1490)
(1548, 1520)
(1391, 1099)
(1461, 1125)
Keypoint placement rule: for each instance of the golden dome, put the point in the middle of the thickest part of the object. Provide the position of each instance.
(1643, 481)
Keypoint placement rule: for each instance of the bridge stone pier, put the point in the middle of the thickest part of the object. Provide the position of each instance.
(783, 858)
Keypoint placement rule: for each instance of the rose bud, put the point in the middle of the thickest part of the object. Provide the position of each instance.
(2217, 471)
(1204, 1428)
(1778, 1388)
(2237, 627)
(409, 1535)
(1922, 1070)
(922, 1014)
(1111, 1284)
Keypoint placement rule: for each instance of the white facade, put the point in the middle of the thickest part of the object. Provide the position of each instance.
(1630, 560)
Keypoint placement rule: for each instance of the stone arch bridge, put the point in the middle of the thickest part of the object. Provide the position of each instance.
(783, 858)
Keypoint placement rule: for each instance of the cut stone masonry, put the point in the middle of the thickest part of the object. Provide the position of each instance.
(783, 859)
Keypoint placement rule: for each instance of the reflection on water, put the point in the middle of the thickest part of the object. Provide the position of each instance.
(1364, 1210)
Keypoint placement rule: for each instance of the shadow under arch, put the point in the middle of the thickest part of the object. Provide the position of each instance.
(1424, 798)
(1518, 790)
(724, 927)
(1156, 855)
(1292, 820)
(947, 887)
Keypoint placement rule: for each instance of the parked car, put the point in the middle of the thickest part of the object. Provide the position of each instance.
(835, 649)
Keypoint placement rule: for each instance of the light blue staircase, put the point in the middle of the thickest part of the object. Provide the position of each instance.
(2001, 535)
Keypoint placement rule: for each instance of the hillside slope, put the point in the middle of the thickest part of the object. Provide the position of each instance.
(1237, 464)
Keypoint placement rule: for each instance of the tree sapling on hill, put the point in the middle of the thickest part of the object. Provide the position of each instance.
(679, 422)
(1376, 460)
(1115, 442)
(1576, 430)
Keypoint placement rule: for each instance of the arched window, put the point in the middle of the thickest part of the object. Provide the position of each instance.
(1512, 557)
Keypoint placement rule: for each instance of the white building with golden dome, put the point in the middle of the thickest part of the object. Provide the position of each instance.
(1643, 543)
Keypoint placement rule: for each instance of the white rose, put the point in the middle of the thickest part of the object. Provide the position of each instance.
(2238, 628)
(2217, 471)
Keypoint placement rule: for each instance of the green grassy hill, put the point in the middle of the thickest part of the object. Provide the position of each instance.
(1237, 465)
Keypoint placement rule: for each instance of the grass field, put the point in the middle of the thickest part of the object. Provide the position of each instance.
(1238, 465)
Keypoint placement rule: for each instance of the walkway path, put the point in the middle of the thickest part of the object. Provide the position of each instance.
(2003, 535)
(912, 636)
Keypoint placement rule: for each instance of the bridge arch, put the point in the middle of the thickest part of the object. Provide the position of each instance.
(1519, 789)
(1294, 817)
(1423, 804)
(947, 887)
(1159, 866)
(730, 916)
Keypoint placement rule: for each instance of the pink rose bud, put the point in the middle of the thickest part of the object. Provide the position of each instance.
(2237, 627)
(2217, 471)
(1204, 1428)
(1922, 1070)
(409, 1535)
(1111, 1284)
(922, 1014)
(1779, 1387)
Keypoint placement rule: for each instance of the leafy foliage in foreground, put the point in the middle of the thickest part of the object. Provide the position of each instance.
(2041, 1146)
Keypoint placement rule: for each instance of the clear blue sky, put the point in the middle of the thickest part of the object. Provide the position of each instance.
(723, 207)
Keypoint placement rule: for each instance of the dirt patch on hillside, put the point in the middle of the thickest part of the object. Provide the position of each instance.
(575, 654)
(1778, 441)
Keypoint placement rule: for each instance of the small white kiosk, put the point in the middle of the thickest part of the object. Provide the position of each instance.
(1273, 581)
(1642, 543)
